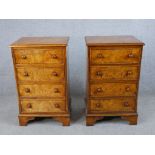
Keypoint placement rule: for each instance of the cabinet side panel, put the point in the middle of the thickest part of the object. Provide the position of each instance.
(15, 77)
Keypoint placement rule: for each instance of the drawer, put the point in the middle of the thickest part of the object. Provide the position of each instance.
(115, 55)
(39, 56)
(112, 89)
(114, 73)
(40, 74)
(42, 106)
(42, 90)
(113, 105)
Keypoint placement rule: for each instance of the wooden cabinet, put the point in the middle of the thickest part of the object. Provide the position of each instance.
(40, 65)
(113, 73)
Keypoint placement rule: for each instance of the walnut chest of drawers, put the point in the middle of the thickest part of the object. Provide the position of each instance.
(113, 77)
(40, 65)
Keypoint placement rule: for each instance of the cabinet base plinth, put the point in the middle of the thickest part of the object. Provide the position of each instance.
(91, 120)
(131, 119)
(23, 120)
(65, 120)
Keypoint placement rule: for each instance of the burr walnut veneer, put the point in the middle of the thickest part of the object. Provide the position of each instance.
(40, 65)
(113, 77)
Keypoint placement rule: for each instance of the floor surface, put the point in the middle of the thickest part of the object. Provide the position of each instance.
(9, 122)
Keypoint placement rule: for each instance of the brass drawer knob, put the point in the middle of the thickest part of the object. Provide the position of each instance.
(99, 90)
(99, 73)
(126, 104)
(57, 105)
(56, 90)
(100, 55)
(127, 89)
(98, 105)
(27, 90)
(55, 74)
(26, 74)
(29, 105)
(131, 55)
(23, 56)
(54, 56)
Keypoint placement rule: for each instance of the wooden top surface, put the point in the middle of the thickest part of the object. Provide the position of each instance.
(40, 41)
(112, 40)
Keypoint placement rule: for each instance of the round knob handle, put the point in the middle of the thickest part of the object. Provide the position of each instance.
(97, 105)
(129, 73)
(131, 55)
(57, 105)
(29, 105)
(26, 74)
(126, 104)
(24, 57)
(100, 55)
(127, 88)
(27, 90)
(99, 90)
(99, 73)
(54, 56)
(56, 90)
(55, 74)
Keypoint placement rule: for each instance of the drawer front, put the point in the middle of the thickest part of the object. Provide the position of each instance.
(113, 105)
(114, 73)
(112, 89)
(40, 74)
(42, 106)
(39, 56)
(115, 56)
(42, 90)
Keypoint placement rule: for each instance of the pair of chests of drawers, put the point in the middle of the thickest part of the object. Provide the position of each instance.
(41, 79)
(113, 78)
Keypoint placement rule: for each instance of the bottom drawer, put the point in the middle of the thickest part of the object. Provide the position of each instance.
(113, 105)
(42, 106)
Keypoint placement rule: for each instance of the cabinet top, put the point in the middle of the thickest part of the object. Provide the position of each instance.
(112, 40)
(40, 41)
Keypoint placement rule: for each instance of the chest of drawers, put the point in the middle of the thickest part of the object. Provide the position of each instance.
(40, 65)
(113, 73)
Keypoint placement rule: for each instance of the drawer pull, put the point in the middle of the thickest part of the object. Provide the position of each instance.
(26, 74)
(126, 104)
(57, 105)
(56, 90)
(54, 56)
(99, 73)
(55, 74)
(127, 89)
(98, 105)
(23, 56)
(27, 90)
(29, 106)
(100, 55)
(131, 55)
(129, 73)
(99, 90)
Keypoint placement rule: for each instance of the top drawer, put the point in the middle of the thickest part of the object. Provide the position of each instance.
(53, 55)
(114, 55)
